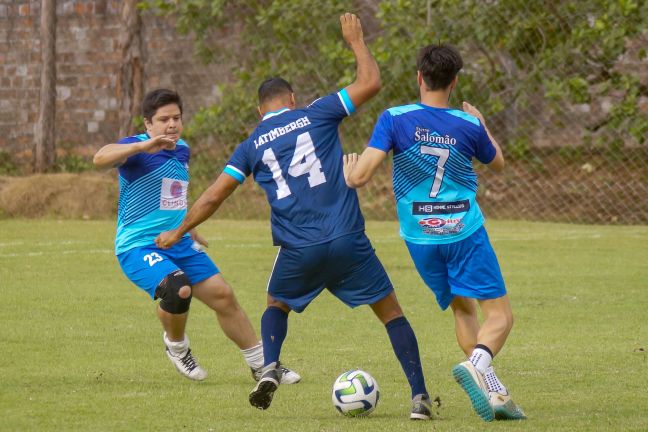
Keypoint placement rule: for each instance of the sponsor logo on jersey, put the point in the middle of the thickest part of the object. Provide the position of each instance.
(173, 194)
(437, 222)
(444, 227)
(424, 135)
(435, 208)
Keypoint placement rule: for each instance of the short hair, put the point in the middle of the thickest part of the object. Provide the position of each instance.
(439, 65)
(159, 98)
(272, 88)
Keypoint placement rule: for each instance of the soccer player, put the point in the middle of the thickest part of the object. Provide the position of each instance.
(295, 155)
(153, 181)
(435, 187)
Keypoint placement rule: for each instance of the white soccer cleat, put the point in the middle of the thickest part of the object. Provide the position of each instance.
(187, 365)
(504, 407)
(288, 376)
(473, 383)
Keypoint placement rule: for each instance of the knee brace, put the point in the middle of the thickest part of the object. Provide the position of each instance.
(167, 291)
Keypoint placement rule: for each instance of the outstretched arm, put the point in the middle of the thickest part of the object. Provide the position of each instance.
(202, 209)
(112, 155)
(359, 170)
(367, 83)
(497, 163)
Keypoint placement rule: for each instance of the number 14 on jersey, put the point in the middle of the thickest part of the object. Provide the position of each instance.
(304, 161)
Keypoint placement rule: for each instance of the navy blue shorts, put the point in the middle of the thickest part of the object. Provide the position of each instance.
(467, 268)
(347, 266)
(147, 266)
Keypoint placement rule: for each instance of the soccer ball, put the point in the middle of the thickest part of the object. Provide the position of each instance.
(355, 393)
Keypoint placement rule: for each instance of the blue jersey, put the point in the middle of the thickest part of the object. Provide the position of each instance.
(152, 194)
(434, 181)
(296, 157)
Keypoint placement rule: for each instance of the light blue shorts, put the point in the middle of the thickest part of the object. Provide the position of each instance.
(147, 266)
(467, 268)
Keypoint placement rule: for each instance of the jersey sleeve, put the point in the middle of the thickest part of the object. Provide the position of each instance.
(239, 165)
(335, 106)
(484, 148)
(134, 159)
(382, 136)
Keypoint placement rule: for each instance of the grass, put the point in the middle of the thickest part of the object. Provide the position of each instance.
(82, 349)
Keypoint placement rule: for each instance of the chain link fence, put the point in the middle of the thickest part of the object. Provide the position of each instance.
(563, 86)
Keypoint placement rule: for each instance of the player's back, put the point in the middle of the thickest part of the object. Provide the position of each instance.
(296, 157)
(434, 181)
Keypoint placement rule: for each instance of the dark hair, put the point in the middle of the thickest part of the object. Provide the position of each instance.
(273, 87)
(439, 65)
(159, 98)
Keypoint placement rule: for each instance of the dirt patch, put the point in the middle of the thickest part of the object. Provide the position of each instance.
(88, 195)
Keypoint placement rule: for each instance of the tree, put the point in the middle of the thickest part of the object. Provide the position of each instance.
(45, 146)
(522, 58)
(130, 81)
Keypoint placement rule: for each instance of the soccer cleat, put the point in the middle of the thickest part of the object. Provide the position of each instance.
(505, 408)
(261, 395)
(472, 381)
(288, 376)
(423, 408)
(187, 365)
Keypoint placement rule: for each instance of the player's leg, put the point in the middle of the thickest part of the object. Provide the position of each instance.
(474, 273)
(210, 287)
(174, 292)
(356, 276)
(154, 271)
(294, 282)
(498, 321)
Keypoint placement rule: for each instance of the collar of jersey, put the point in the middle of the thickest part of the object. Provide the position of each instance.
(275, 113)
(421, 104)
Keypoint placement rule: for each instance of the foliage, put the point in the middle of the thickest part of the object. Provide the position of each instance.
(564, 51)
(72, 163)
(7, 165)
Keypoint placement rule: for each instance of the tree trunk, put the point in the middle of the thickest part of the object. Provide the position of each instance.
(45, 148)
(130, 82)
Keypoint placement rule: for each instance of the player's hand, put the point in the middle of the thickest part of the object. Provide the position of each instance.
(351, 28)
(474, 112)
(198, 238)
(159, 143)
(348, 163)
(167, 239)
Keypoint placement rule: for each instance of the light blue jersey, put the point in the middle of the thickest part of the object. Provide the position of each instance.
(152, 194)
(434, 182)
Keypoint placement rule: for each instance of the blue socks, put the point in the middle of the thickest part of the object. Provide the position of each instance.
(405, 346)
(274, 327)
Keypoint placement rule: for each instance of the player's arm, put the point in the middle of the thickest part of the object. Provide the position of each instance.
(497, 163)
(359, 170)
(202, 209)
(367, 83)
(112, 155)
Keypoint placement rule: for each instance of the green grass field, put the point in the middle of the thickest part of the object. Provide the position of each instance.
(82, 350)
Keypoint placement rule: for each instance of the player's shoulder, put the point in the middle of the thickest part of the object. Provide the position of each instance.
(399, 110)
(465, 119)
(133, 139)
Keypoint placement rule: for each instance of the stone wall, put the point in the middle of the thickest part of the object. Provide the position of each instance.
(88, 61)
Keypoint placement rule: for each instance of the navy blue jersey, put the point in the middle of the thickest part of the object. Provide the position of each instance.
(296, 157)
(434, 182)
(152, 194)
